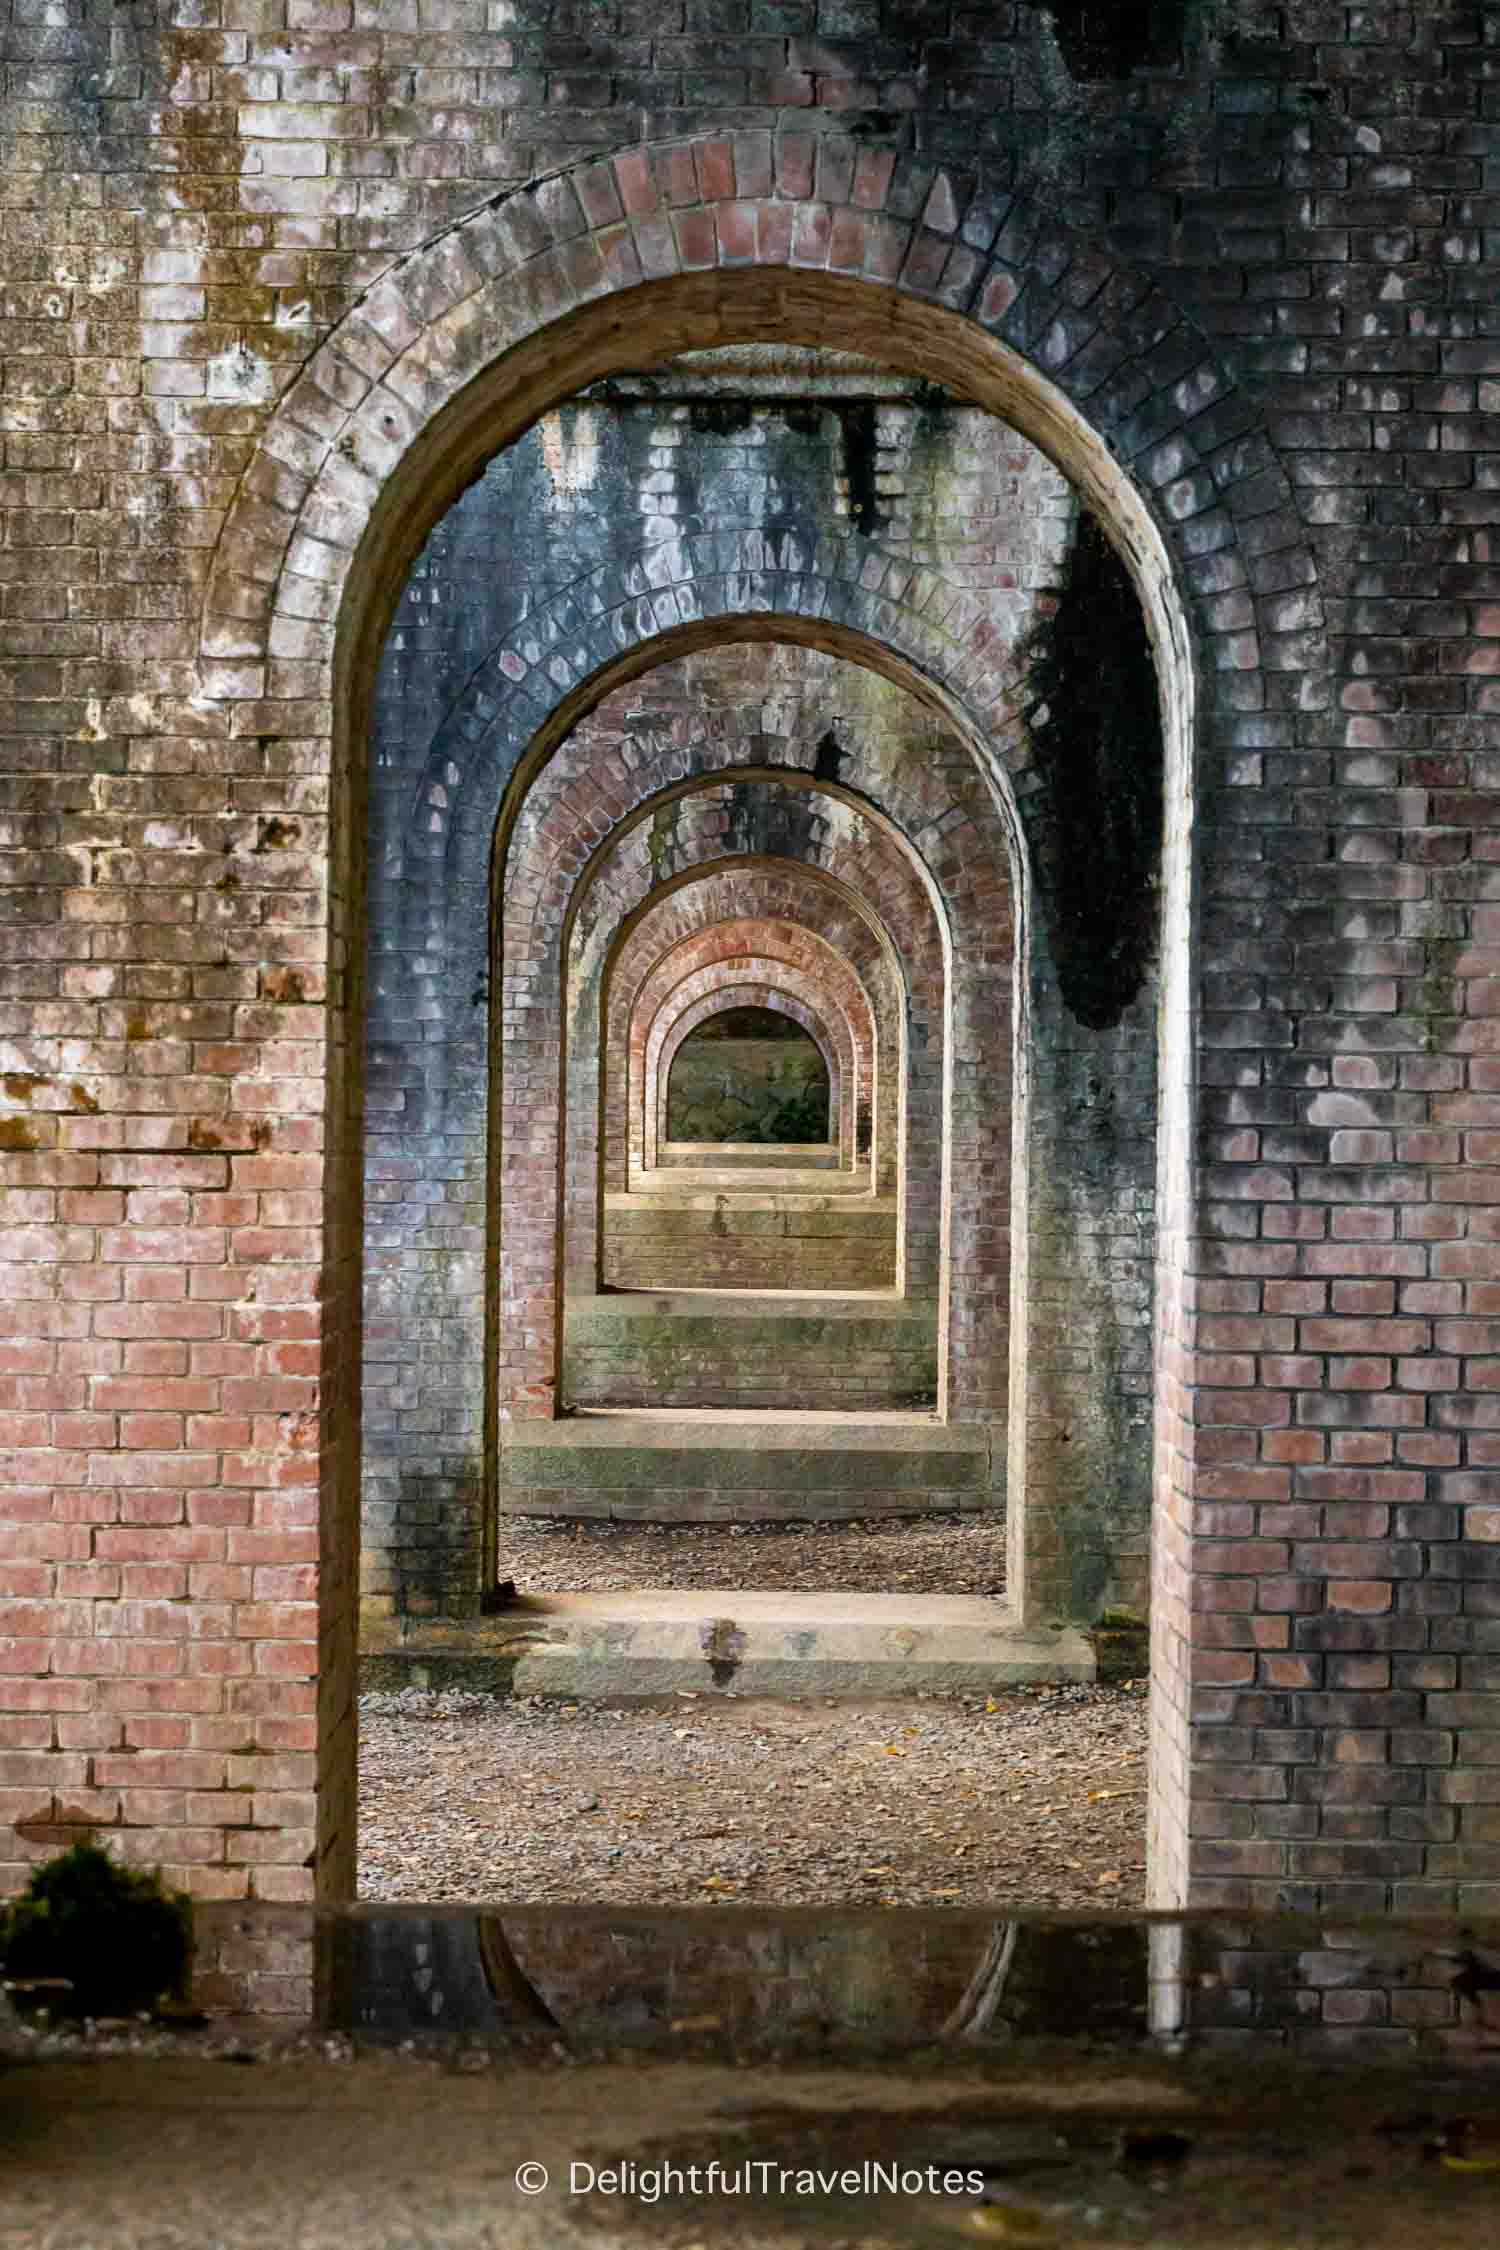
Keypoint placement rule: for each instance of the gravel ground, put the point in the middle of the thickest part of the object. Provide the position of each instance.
(919, 1554)
(1036, 1796)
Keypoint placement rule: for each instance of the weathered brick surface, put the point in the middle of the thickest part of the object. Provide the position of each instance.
(625, 1352)
(251, 261)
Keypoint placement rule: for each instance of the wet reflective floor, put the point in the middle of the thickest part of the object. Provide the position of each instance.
(716, 2079)
(1047, 2146)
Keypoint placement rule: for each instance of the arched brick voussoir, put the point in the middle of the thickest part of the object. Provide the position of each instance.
(830, 593)
(856, 840)
(727, 237)
(734, 988)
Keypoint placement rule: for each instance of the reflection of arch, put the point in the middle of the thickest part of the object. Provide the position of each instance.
(797, 1045)
(822, 1029)
(464, 342)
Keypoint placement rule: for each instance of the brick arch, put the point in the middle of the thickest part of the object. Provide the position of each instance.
(848, 834)
(863, 847)
(724, 238)
(442, 870)
(763, 916)
(575, 840)
(828, 1036)
(942, 835)
(772, 922)
(661, 1003)
(726, 891)
(720, 238)
(789, 583)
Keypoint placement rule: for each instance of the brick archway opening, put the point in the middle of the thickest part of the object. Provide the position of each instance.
(523, 1448)
(808, 1090)
(817, 1027)
(770, 1036)
(690, 1016)
(960, 892)
(684, 314)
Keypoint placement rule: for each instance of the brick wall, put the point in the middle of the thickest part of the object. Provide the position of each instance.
(852, 1357)
(1244, 298)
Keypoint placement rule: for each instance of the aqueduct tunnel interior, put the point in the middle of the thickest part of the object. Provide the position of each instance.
(743, 1144)
(533, 529)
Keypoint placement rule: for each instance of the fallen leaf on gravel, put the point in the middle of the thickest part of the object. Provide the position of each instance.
(816, 1786)
(1004, 2223)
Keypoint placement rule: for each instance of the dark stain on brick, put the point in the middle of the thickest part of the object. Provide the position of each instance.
(828, 757)
(772, 822)
(723, 1645)
(1108, 39)
(720, 417)
(861, 459)
(1093, 713)
(82, 1099)
(20, 1085)
(65, 1824)
(277, 835)
(18, 1134)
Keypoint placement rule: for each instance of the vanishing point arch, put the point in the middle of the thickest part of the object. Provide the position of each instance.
(745, 237)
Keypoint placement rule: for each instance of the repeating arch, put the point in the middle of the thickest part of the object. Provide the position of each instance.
(702, 985)
(827, 1031)
(750, 236)
(704, 942)
(720, 237)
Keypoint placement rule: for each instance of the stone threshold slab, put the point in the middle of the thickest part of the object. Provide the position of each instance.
(878, 1305)
(633, 1646)
(795, 1156)
(696, 1191)
(766, 1430)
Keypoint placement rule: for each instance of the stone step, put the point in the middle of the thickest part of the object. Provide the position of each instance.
(752, 1238)
(679, 1466)
(620, 1647)
(799, 1156)
(702, 1186)
(751, 1348)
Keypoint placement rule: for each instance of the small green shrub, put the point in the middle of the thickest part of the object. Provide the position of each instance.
(119, 1937)
(801, 1115)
